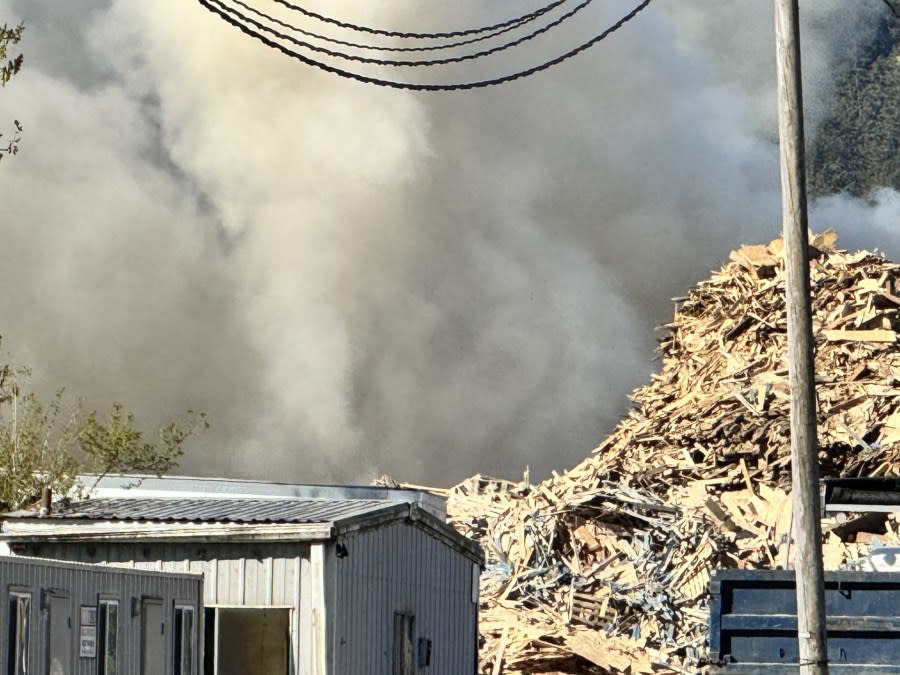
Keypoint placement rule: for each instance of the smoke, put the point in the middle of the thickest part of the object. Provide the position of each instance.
(352, 280)
(869, 223)
(739, 39)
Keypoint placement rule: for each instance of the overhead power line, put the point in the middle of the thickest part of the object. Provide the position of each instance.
(216, 7)
(481, 35)
(428, 36)
(393, 62)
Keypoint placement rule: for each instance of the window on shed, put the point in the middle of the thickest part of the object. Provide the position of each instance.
(404, 660)
(19, 626)
(108, 629)
(184, 640)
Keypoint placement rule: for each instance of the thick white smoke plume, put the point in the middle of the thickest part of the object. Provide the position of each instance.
(352, 280)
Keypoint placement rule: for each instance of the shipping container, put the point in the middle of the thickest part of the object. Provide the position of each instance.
(72, 619)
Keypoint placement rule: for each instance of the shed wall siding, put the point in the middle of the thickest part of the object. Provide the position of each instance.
(235, 574)
(84, 587)
(400, 568)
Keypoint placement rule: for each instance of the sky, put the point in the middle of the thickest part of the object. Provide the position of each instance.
(354, 281)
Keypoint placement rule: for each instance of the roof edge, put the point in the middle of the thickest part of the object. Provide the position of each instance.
(421, 518)
(37, 530)
(34, 530)
(447, 534)
(96, 567)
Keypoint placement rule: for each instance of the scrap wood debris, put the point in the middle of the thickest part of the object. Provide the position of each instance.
(604, 568)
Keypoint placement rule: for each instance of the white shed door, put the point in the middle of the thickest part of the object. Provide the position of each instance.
(59, 640)
(153, 638)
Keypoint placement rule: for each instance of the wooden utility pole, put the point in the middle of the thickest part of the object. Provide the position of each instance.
(809, 570)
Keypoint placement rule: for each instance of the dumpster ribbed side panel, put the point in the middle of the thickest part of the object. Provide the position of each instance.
(753, 621)
(401, 568)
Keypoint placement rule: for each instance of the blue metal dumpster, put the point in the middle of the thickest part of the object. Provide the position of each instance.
(753, 622)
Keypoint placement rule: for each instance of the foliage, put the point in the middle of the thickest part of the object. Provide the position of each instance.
(857, 146)
(48, 445)
(10, 36)
(117, 446)
(34, 450)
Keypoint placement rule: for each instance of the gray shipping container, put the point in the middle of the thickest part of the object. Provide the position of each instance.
(72, 619)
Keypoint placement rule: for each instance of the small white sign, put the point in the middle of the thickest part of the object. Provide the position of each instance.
(88, 615)
(88, 642)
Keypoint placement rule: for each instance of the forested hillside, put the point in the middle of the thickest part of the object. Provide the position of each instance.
(856, 148)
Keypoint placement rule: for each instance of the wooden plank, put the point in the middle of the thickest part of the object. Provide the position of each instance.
(874, 335)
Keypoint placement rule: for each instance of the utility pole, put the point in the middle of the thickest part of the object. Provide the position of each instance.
(809, 571)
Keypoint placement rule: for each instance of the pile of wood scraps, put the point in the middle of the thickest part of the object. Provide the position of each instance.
(608, 581)
(603, 569)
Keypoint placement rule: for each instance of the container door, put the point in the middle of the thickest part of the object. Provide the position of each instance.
(153, 638)
(59, 635)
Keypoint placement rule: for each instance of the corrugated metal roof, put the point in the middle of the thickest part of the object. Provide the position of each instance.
(187, 487)
(301, 511)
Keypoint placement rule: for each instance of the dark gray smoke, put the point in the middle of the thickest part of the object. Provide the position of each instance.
(353, 281)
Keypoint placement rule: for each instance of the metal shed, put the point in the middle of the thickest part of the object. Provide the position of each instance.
(70, 619)
(309, 580)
